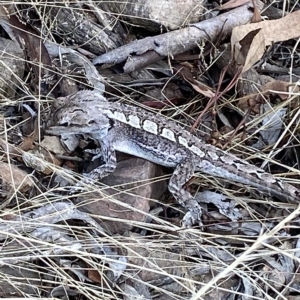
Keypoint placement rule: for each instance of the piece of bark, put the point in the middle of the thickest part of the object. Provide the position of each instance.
(12, 68)
(46, 214)
(131, 184)
(40, 161)
(76, 26)
(178, 41)
(74, 57)
(35, 52)
(157, 265)
(18, 281)
(154, 15)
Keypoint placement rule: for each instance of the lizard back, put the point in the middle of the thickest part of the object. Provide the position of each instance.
(163, 141)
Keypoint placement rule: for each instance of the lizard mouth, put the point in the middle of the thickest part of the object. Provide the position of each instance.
(62, 129)
(66, 128)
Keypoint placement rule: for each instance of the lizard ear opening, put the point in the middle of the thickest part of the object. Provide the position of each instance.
(91, 122)
(64, 124)
(111, 124)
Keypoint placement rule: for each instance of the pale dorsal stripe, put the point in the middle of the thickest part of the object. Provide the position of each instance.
(120, 117)
(168, 134)
(213, 155)
(150, 126)
(134, 121)
(197, 151)
(182, 141)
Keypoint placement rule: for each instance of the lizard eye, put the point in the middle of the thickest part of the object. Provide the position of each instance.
(77, 110)
(111, 123)
(64, 124)
(91, 122)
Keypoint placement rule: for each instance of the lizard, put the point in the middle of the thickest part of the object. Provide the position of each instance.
(116, 126)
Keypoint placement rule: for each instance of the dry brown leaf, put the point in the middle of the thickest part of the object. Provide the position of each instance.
(277, 86)
(245, 44)
(256, 14)
(95, 276)
(30, 41)
(12, 178)
(248, 101)
(202, 88)
(233, 4)
(256, 50)
(270, 32)
(198, 86)
(27, 143)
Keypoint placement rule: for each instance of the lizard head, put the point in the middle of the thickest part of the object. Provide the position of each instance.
(77, 114)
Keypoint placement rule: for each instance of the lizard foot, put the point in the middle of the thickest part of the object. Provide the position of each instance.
(193, 216)
(81, 185)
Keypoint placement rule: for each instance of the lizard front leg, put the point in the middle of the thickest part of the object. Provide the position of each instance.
(108, 154)
(110, 161)
(181, 175)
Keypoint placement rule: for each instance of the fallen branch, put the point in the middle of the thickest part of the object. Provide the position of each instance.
(140, 53)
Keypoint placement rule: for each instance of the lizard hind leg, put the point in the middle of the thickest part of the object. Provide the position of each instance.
(181, 175)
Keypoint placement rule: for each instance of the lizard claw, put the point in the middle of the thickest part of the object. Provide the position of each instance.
(80, 186)
(75, 189)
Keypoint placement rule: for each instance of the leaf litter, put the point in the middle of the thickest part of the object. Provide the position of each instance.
(121, 238)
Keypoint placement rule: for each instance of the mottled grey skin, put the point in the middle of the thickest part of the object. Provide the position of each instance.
(129, 129)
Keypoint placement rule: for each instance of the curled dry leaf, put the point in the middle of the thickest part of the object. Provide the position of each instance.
(198, 86)
(268, 32)
(96, 276)
(227, 207)
(202, 88)
(47, 214)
